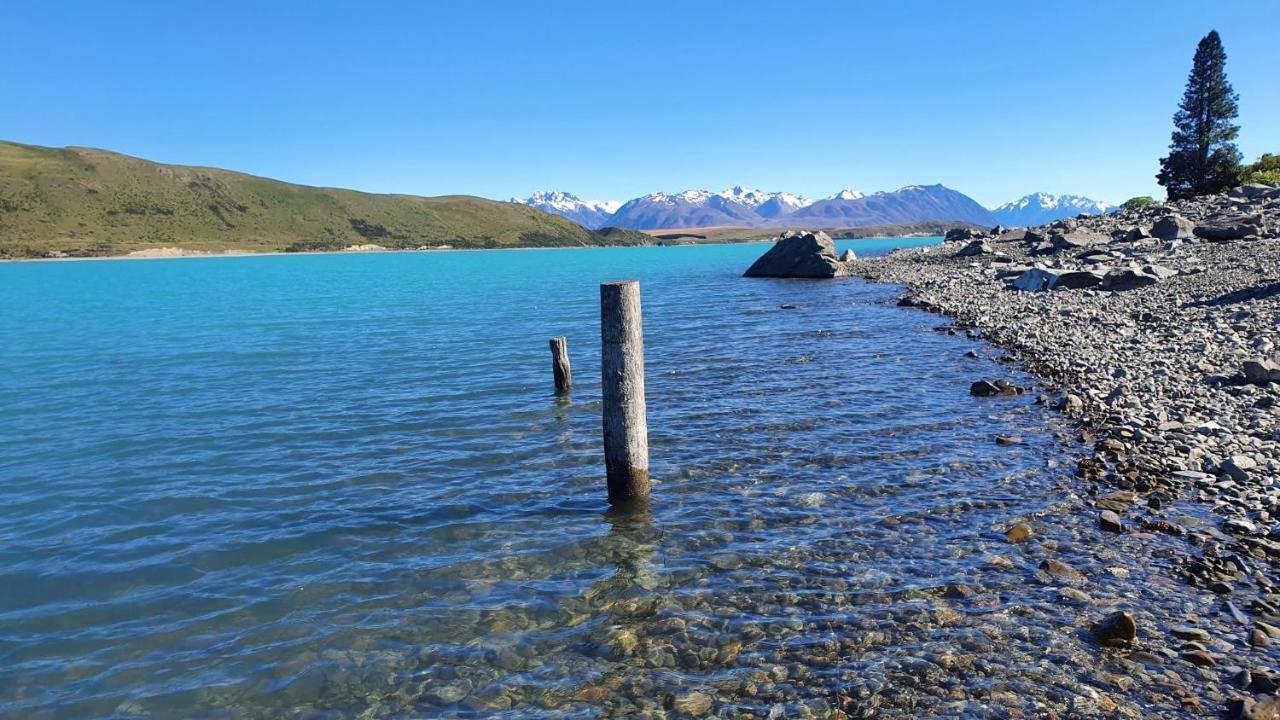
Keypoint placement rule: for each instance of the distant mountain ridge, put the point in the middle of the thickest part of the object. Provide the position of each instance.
(591, 214)
(1042, 208)
(740, 206)
(746, 207)
(913, 203)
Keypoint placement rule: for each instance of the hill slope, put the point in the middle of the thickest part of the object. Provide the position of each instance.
(83, 202)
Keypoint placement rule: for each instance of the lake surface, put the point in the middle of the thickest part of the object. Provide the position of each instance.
(341, 486)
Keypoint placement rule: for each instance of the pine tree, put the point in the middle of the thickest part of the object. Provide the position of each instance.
(1202, 157)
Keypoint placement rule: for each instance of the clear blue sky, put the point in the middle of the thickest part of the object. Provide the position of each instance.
(499, 99)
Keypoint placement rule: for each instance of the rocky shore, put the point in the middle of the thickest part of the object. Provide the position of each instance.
(1156, 330)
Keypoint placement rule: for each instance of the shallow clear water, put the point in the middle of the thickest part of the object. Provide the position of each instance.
(341, 486)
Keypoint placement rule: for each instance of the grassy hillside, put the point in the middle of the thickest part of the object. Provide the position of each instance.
(82, 202)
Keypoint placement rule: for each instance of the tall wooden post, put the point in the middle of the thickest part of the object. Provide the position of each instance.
(626, 432)
(560, 364)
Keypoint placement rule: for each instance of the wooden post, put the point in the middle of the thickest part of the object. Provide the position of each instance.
(626, 432)
(560, 364)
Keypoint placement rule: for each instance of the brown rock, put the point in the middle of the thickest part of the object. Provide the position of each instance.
(1056, 570)
(1199, 657)
(1019, 533)
(694, 703)
(1118, 628)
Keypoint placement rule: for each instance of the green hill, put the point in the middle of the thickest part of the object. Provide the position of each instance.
(81, 202)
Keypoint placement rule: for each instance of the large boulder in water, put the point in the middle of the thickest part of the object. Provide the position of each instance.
(800, 254)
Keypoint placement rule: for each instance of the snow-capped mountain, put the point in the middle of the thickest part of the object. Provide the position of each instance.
(737, 206)
(780, 204)
(846, 194)
(914, 203)
(1042, 208)
(740, 206)
(588, 213)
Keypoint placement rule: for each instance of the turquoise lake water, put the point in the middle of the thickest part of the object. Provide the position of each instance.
(341, 485)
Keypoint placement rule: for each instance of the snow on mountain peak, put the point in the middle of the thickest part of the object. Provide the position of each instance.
(567, 202)
(847, 194)
(1041, 207)
(590, 213)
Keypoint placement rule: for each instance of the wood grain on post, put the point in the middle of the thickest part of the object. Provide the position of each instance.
(626, 432)
(560, 364)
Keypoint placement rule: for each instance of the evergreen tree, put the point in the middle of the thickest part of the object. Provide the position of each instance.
(1202, 157)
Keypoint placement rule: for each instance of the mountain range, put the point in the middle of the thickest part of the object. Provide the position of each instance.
(1042, 208)
(587, 213)
(744, 207)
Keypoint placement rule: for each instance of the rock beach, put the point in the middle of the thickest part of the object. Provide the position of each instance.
(1167, 368)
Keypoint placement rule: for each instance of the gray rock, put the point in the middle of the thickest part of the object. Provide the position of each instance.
(1076, 279)
(1110, 522)
(1254, 191)
(1135, 234)
(1238, 467)
(1159, 272)
(1035, 279)
(961, 234)
(977, 247)
(800, 254)
(1173, 227)
(1127, 279)
(1260, 371)
(1229, 228)
(1072, 405)
(1076, 240)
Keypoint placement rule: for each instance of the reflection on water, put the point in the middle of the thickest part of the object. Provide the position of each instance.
(339, 487)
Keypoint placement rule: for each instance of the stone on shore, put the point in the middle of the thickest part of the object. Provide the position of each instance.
(985, 388)
(1260, 371)
(1229, 228)
(1052, 571)
(977, 247)
(1077, 279)
(1035, 280)
(1019, 533)
(800, 254)
(1116, 629)
(1127, 279)
(1110, 521)
(1173, 227)
(961, 234)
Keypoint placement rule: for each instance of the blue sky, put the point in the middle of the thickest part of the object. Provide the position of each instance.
(498, 99)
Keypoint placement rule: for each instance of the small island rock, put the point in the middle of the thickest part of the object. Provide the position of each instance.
(800, 254)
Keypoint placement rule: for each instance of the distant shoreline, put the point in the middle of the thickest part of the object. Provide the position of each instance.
(183, 254)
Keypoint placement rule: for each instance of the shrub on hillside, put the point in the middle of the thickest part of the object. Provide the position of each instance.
(1266, 170)
(1137, 203)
